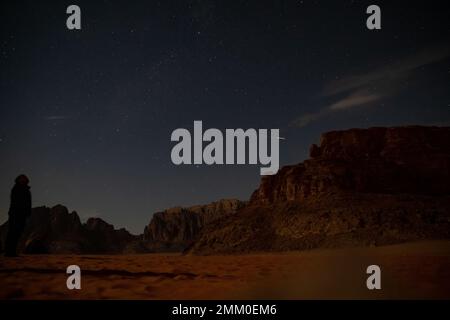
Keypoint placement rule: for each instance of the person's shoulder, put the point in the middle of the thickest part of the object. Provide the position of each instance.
(19, 188)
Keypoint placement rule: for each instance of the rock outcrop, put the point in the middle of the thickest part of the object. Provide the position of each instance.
(359, 187)
(414, 160)
(176, 228)
(55, 230)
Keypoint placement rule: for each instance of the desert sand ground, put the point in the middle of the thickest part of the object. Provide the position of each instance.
(412, 270)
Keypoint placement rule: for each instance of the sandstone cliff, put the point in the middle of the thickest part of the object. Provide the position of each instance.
(176, 228)
(412, 160)
(359, 187)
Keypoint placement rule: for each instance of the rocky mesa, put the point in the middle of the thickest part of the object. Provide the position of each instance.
(359, 187)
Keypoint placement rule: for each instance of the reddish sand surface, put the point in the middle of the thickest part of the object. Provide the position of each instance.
(409, 271)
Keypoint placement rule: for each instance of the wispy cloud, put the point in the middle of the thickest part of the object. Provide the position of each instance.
(363, 89)
(355, 99)
(307, 118)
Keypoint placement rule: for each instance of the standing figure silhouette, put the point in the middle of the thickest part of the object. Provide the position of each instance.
(19, 211)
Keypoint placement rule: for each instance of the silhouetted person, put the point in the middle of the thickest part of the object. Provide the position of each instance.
(19, 211)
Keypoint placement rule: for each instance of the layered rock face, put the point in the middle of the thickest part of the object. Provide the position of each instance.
(175, 229)
(55, 230)
(360, 187)
(414, 160)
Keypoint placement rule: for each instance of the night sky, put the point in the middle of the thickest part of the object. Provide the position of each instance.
(88, 114)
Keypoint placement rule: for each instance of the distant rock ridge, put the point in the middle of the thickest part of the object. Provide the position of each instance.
(55, 230)
(177, 228)
(360, 187)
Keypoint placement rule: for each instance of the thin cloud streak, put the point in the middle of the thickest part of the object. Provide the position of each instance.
(359, 89)
(390, 73)
(355, 99)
